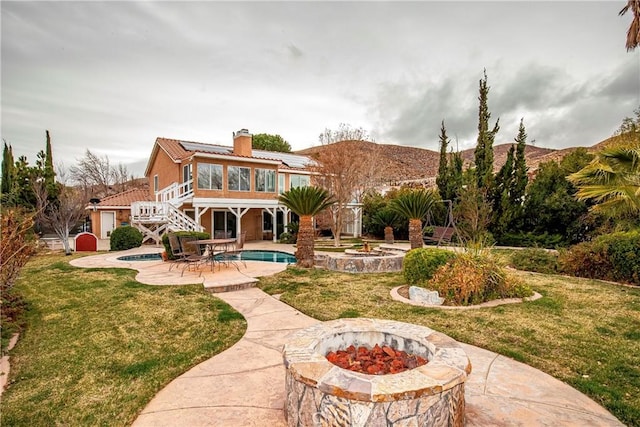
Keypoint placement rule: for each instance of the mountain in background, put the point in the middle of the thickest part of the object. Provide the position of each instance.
(406, 164)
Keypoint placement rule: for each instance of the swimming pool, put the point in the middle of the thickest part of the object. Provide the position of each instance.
(267, 256)
(248, 255)
(141, 257)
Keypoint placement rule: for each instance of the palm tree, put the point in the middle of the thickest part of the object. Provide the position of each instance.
(306, 202)
(612, 180)
(414, 205)
(388, 219)
(633, 34)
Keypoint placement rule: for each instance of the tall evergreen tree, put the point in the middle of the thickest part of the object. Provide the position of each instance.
(49, 173)
(449, 179)
(443, 169)
(502, 199)
(520, 179)
(8, 175)
(484, 148)
(456, 178)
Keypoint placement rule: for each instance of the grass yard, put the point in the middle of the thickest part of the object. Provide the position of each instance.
(583, 332)
(99, 345)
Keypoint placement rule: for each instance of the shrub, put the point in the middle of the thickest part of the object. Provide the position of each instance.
(623, 251)
(420, 264)
(587, 259)
(200, 235)
(287, 238)
(123, 238)
(472, 279)
(614, 257)
(535, 259)
(529, 239)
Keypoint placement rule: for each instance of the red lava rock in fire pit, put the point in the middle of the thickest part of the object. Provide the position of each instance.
(377, 361)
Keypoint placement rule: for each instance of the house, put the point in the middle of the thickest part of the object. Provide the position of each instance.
(114, 211)
(223, 190)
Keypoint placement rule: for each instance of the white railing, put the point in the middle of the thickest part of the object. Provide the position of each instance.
(163, 212)
(176, 193)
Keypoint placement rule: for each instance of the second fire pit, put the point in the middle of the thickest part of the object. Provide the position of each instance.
(320, 393)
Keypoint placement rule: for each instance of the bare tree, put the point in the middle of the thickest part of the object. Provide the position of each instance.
(344, 169)
(63, 214)
(95, 172)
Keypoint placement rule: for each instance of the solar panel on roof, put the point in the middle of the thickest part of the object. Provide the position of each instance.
(206, 148)
(291, 160)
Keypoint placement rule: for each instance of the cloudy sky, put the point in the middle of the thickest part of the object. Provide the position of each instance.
(110, 77)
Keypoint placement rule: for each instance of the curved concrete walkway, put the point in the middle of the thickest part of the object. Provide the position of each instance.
(244, 385)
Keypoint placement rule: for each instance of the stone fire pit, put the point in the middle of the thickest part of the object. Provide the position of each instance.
(322, 394)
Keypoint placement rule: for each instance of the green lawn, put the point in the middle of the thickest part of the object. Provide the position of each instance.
(584, 332)
(98, 345)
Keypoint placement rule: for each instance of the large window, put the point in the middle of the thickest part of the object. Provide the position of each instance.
(209, 176)
(299, 181)
(239, 178)
(265, 180)
(281, 188)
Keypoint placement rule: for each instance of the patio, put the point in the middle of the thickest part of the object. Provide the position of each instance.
(224, 278)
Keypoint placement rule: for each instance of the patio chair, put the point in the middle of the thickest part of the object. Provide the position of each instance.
(234, 255)
(194, 255)
(177, 253)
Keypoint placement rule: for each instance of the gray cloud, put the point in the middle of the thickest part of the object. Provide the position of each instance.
(112, 76)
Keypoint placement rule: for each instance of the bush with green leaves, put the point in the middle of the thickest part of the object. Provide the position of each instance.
(127, 237)
(420, 264)
(473, 279)
(613, 257)
(535, 259)
(287, 238)
(200, 235)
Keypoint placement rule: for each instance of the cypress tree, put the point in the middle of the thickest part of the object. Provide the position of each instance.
(443, 169)
(484, 147)
(49, 173)
(521, 179)
(8, 174)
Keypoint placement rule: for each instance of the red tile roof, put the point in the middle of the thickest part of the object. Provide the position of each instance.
(125, 198)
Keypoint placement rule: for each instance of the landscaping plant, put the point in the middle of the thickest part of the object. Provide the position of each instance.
(473, 279)
(123, 238)
(420, 264)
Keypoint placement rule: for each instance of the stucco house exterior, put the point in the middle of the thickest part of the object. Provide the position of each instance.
(223, 190)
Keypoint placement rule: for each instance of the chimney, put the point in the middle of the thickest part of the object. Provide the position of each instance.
(242, 143)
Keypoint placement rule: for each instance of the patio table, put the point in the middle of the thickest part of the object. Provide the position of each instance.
(216, 247)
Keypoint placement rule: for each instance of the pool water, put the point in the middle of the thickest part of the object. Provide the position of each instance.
(254, 255)
(141, 257)
(268, 256)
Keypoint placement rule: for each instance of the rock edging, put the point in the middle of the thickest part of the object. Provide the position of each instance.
(397, 297)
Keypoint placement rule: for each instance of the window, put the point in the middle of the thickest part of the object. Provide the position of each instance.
(187, 175)
(155, 183)
(209, 176)
(239, 178)
(265, 180)
(281, 188)
(299, 181)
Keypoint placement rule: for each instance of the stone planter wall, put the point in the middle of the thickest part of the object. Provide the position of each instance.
(360, 264)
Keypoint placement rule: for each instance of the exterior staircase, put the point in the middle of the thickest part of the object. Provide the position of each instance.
(154, 219)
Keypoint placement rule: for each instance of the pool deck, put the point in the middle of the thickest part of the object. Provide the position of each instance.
(244, 385)
(223, 278)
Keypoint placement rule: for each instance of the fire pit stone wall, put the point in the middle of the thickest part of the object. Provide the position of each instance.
(322, 394)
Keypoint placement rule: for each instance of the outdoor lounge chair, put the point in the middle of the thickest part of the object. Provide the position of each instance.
(177, 253)
(194, 256)
(233, 255)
